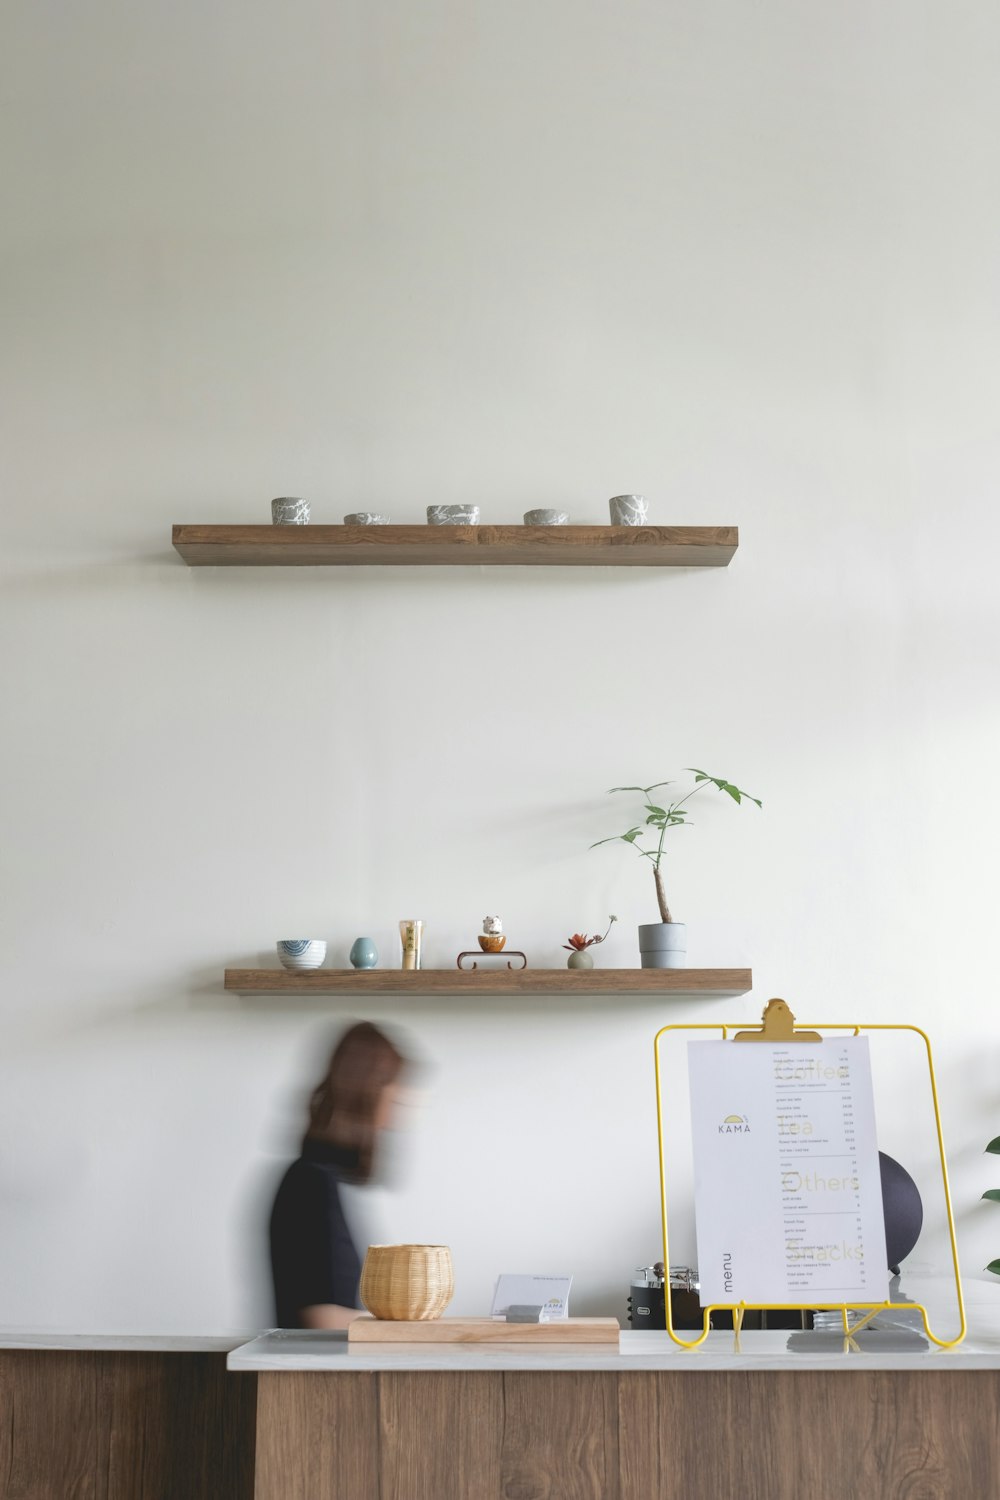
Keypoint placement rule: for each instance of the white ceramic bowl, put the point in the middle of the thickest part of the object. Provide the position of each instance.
(453, 515)
(302, 953)
(546, 517)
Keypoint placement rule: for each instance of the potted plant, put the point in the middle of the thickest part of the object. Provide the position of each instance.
(663, 944)
(578, 944)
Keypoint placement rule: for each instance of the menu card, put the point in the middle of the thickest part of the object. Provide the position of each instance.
(788, 1193)
(550, 1293)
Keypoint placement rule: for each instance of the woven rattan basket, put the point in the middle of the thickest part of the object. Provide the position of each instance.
(411, 1283)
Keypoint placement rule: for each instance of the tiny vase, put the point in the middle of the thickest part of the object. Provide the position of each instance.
(579, 959)
(364, 954)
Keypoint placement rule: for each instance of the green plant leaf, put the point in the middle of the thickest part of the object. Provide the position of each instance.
(994, 1146)
(660, 812)
(993, 1194)
(993, 1266)
(626, 789)
(737, 793)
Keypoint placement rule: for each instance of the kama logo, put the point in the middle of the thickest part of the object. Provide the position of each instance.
(735, 1125)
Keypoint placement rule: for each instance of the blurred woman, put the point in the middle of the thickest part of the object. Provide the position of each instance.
(315, 1264)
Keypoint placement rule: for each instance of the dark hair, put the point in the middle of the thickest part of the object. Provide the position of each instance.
(342, 1107)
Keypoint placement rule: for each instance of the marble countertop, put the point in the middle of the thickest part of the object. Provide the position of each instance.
(894, 1342)
(770, 1350)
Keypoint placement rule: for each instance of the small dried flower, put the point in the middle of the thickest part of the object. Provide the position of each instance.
(580, 940)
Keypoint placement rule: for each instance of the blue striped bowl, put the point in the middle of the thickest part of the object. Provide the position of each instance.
(302, 953)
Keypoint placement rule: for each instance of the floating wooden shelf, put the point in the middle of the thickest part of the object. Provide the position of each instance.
(696, 983)
(437, 546)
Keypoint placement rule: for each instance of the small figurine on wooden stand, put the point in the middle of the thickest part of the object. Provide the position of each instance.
(492, 939)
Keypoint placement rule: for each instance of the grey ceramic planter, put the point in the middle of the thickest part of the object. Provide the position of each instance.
(663, 945)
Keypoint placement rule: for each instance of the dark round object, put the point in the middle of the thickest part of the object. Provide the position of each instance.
(903, 1210)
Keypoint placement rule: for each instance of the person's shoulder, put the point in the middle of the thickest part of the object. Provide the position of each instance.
(304, 1178)
(304, 1195)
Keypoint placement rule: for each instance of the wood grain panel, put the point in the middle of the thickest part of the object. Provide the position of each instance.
(52, 1439)
(560, 1437)
(437, 546)
(440, 1436)
(178, 1424)
(665, 982)
(809, 1435)
(119, 1426)
(317, 1437)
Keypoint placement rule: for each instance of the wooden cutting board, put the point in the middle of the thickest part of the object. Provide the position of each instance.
(368, 1330)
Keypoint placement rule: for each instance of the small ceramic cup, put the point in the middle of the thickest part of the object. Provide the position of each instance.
(365, 518)
(364, 954)
(289, 510)
(453, 515)
(302, 953)
(546, 517)
(492, 924)
(629, 510)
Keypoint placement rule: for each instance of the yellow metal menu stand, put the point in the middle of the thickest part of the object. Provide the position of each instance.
(779, 1026)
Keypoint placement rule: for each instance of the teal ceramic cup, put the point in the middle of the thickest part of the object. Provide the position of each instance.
(364, 954)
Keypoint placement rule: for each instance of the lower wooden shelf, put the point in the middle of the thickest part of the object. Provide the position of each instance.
(694, 983)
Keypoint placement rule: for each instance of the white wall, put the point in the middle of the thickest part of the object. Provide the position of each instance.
(742, 258)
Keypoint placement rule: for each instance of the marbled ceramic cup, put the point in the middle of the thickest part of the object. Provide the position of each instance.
(492, 924)
(546, 517)
(365, 518)
(453, 515)
(289, 510)
(629, 510)
(302, 953)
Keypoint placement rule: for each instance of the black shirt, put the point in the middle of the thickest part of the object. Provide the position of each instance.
(313, 1258)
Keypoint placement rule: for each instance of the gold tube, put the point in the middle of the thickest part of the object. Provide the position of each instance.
(411, 934)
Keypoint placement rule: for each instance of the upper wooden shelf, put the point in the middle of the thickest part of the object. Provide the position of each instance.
(704, 983)
(437, 546)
